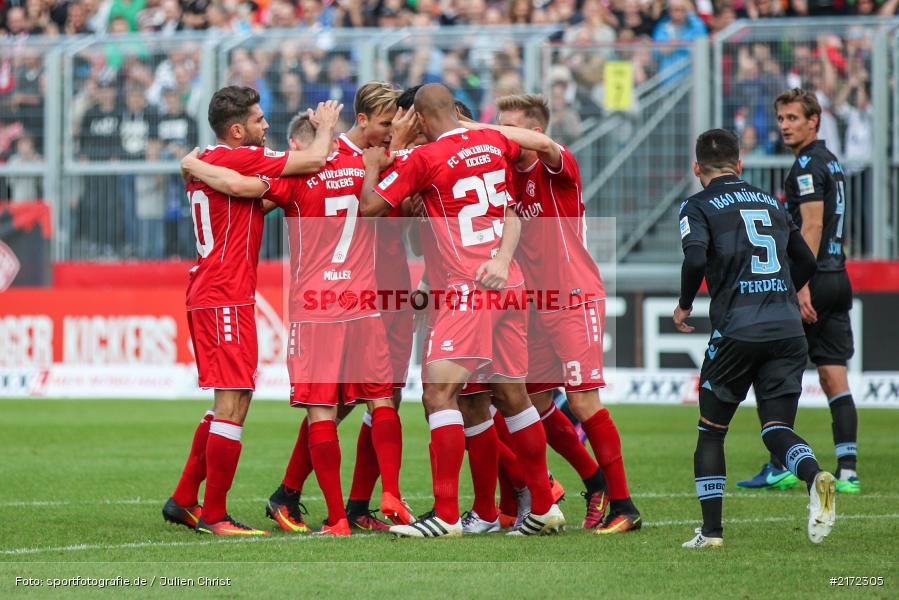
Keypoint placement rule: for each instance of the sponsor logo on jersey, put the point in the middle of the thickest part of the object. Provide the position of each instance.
(806, 184)
(803, 161)
(684, 227)
(273, 153)
(388, 180)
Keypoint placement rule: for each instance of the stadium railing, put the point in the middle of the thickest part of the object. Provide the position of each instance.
(636, 104)
(847, 62)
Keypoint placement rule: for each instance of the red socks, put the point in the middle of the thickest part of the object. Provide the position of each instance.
(509, 467)
(222, 454)
(387, 440)
(529, 444)
(300, 465)
(483, 458)
(325, 451)
(195, 468)
(562, 438)
(365, 471)
(447, 451)
(603, 436)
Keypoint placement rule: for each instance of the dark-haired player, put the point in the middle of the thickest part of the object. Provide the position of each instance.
(565, 337)
(815, 192)
(221, 298)
(338, 350)
(745, 245)
(461, 175)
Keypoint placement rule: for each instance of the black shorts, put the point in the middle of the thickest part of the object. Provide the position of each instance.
(775, 368)
(830, 338)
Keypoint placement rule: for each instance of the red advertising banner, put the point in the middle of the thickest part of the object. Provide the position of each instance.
(118, 326)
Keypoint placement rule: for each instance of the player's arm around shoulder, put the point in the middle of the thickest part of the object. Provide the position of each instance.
(548, 151)
(313, 158)
(222, 179)
(372, 204)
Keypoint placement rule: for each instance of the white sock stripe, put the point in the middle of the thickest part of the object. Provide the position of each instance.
(366, 418)
(443, 418)
(524, 419)
(226, 430)
(492, 411)
(551, 410)
(479, 428)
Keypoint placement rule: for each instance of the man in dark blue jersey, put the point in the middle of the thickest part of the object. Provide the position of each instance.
(815, 192)
(752, 256)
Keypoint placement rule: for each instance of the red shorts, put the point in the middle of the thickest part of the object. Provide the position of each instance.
(565, 348)
(488, 341)
(398, 325)
(330, 362)
(225, 347)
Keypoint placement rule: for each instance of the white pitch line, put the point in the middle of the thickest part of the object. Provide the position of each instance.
(305, 538)
(679, 522)
(130, 545)
(414, 498)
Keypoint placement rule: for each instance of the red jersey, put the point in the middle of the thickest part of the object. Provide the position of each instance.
(553, 249)
(462, 179)
(228, 230)
(391, 263)
(331, 246)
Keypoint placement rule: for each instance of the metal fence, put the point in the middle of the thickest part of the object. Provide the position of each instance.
(95, 125)
(846, 63)
(636, 109)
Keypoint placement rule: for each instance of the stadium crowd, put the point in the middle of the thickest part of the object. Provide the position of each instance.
(600, 20)
(139, 98)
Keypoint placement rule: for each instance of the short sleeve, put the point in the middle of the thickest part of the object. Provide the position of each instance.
(694, 227)
(809, 176)
(282, 191)
(408, 176)
(255, 160)
(567, 171)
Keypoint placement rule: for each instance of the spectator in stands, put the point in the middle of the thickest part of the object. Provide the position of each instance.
(632, 22)
(150, 203)
(870, 8)
(566, 123)
(76, 21)
(594, 28)
(680, 24)
(16, 22)
(127, 10)
(25, 188)
(749, 143)
(177, 130)
(290, 102)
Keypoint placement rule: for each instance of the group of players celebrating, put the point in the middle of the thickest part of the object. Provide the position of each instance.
(412, 167)
(496, 211)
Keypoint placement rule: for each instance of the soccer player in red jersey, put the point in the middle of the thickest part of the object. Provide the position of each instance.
(375, 107)
(462, 178)
(565, 338)
(338, 346)
(221, 298)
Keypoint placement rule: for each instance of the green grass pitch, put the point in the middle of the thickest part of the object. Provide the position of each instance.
(83, 483)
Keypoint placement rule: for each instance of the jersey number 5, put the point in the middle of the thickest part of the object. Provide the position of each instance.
(759, 240)
(485, 188)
